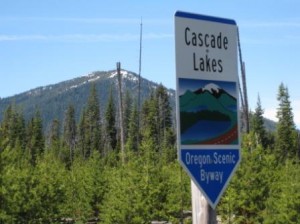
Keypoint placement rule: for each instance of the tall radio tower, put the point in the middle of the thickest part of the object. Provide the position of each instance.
(139, 87)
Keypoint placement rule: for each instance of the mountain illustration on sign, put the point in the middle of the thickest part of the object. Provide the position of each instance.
(208, 115)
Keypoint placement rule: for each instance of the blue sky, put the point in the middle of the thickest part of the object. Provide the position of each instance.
(45, 42)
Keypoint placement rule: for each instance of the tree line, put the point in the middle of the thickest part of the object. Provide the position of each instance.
(265, 188)
(75, 171)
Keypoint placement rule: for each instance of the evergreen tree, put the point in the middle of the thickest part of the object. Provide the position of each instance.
(164, 107)
(133, 130)
(150, 121)
(110, 122)
(15, 197)
(35, 142)
(47, 191)
(286, 136)
(54, 135)
(144, 189)
(93, 123)
(82, 130)
(20, 129)
(6, 124)
(69, 134)
(246, 197)
(13, 128)
(80, 187)
(157, 116)
(283, 204)
(127, 112)
(166, 135)
(257, 124)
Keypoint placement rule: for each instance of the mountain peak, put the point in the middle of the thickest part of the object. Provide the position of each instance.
(125, 74)
(53, 100)
(114, 73)
(211, 87)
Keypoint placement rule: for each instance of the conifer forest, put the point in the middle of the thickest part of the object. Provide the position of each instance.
(79, 171)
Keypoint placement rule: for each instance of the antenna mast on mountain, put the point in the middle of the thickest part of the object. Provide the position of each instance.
(140, 65)
(139, 87)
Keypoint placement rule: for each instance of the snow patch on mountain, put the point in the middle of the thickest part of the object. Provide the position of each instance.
(131, 77)
(77, 85)
(125, 74)
(93, 79)
(115, 73)
(91, 75)
(212, 87)
(38, 91)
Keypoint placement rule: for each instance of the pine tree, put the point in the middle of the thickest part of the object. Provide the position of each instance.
(20, 130)
(283, 203)
(164, 107)
(13, 128)
(93, 124)
(69, 135)
(157, 116)
(7, 123)
(35, 142)
(166, 131)
(110, 124)
(245, 198)
(133, 130)
(54, 139)
(286, 137)
(150, 121)
(127, 112)
(14, 193)
(82, 129)
(257, 124)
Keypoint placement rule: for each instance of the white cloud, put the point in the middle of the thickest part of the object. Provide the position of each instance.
(158, 36)
(85, 37)
(296, 110)
(289, 24)
(70, 37)
(270, 113)
(117, 21)
(22, 37)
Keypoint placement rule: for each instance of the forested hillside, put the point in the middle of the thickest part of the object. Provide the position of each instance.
(77, 172)
(53, 100)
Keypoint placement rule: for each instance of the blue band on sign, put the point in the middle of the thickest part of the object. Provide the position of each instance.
(203, 17)
(211, 169)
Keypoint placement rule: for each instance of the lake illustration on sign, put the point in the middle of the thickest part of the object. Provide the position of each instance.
(208, 112)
